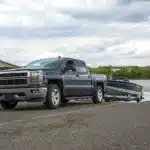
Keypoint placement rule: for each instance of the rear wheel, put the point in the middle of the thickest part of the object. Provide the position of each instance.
(53, 98)
(9, 105)
(98, 96)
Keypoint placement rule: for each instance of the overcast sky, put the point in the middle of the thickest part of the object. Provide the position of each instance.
(100, 32)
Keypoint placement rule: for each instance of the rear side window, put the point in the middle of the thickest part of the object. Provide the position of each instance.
(70, 63)
(81, 67)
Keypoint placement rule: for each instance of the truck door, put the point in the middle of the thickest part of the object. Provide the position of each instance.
(84, 83)
(71, 80)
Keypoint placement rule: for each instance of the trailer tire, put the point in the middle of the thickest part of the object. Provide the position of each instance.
(107, 100)
(8, 105)
(139, 98)
(65, 101)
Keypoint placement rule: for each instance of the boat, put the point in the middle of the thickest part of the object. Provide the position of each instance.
(124, 90)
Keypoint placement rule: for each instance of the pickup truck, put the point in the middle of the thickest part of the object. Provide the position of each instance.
(52, 81)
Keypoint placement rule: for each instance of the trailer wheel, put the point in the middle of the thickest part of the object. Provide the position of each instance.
(65, 101)
(9, 105)
(107, 99)
(139, 98)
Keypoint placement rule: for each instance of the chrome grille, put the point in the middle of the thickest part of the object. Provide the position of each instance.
(13, 78)
(19, 74)
(13, 82)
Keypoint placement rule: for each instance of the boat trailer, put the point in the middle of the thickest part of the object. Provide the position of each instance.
(126, 98)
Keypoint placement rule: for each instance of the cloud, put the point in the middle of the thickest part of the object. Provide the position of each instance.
(30, 14)
(127, 13)
(117, 53)
(39, 32)
(114, 32)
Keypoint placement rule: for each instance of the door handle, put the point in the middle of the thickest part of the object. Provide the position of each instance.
(77, 75)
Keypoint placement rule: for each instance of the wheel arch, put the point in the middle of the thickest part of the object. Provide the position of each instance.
(101, 84)
(59, 82)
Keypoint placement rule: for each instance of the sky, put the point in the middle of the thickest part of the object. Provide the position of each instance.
(100, 32)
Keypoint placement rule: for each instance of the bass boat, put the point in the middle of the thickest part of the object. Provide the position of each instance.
(124, 90)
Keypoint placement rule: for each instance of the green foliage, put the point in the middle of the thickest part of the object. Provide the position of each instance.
(132, 72)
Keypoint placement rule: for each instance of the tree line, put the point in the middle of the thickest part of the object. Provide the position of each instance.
(128, 72)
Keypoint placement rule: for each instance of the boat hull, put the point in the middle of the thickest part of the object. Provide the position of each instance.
(123, 90)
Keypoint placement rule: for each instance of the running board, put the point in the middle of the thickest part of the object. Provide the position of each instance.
(79, 98)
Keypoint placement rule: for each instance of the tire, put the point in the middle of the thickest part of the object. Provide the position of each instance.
(65, 101)
(8, 105)
(53, 98)
(139, 98)
(98, 96)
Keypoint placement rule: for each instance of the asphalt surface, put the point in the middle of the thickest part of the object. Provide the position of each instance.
(76, 126)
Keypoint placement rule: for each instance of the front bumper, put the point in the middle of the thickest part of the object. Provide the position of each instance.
(23, 94)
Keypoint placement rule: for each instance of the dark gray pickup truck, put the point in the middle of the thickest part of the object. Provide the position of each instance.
(52, 81)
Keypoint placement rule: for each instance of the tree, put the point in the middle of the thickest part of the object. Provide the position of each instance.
(132, 72)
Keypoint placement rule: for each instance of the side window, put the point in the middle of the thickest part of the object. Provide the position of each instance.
(70, 63)
(81, 67)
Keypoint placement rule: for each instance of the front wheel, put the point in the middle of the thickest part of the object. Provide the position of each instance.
(98, 96)
(53, 98)
(8, 105)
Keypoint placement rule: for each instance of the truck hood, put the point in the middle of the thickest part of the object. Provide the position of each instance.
(28, 70)
(18, 69)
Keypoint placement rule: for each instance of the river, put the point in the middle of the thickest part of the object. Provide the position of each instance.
(146, 88)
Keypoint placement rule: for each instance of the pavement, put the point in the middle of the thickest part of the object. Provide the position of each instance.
(76, 126)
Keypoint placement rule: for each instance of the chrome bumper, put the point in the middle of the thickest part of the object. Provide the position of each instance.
(23, 94)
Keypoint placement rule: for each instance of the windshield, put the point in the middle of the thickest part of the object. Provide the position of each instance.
(43, 63)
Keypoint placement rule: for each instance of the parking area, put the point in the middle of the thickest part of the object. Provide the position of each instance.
(79, 125)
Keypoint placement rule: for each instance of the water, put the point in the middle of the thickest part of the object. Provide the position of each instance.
(146, 88)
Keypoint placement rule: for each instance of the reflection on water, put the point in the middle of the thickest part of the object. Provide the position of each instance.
(146, 88)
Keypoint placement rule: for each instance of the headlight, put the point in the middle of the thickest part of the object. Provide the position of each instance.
(34, 74)
(36, 77)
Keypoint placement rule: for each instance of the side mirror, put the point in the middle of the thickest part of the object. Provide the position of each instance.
(71, 68)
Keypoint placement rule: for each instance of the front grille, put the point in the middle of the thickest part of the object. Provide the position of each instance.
(20, 74)
(13, 78)
(13, 82)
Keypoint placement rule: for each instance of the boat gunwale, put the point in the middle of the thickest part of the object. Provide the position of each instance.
(125, 82)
